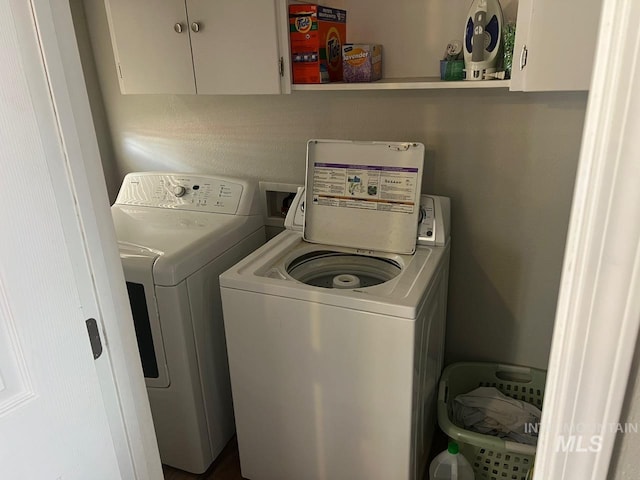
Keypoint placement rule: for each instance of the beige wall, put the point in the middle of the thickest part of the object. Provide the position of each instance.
(507, 160)
(103, 132)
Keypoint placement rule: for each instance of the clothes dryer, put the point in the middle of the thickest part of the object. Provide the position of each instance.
(335, 328)
(177, 233)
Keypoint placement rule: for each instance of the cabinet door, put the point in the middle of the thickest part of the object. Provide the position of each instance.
(235, 47)
(151, 46)
(555, 44)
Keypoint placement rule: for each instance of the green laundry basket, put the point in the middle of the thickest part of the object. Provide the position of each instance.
(492, 458)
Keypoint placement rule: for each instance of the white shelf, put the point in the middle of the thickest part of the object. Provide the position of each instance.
(417, 83)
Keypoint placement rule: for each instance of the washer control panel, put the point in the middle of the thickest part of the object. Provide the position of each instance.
(434, 220)
(426, 225)
(181, 192)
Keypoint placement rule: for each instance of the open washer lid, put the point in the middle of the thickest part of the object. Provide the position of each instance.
(363, 195)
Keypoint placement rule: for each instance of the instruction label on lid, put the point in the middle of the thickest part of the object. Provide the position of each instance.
(370, 187)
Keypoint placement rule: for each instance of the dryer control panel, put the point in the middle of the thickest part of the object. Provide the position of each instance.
(202, 193)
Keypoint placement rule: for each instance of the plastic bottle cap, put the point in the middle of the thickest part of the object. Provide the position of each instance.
(453, 448)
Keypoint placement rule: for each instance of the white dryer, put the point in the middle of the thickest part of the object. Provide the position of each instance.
(177, 233)
(335, 333)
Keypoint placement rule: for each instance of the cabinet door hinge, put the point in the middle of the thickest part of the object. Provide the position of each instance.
(281, 66)
(120, 70)
(523, 57)
(94, 337)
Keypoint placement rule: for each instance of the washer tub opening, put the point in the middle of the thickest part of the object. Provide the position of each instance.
(329, 269)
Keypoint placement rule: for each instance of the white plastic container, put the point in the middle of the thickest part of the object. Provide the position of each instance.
(451, 465)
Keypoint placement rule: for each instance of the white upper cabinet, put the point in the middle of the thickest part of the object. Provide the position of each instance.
(151, 46)
(235, 49)
(242, 46)
(197, 46)
(555, 44)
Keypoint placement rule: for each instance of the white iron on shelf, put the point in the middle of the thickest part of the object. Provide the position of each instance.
(483, 43)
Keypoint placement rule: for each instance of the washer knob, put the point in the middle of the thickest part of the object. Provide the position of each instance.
(179, 191)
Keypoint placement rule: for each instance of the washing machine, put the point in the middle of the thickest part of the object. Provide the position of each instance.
(177, 233)
(335, 328)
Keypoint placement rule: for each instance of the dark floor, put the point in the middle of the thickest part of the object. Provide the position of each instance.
(227, 465)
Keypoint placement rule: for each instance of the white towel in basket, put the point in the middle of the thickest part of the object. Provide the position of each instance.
(487, 410)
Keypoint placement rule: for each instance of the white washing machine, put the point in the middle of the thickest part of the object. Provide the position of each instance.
(177, 233)
(336, 333)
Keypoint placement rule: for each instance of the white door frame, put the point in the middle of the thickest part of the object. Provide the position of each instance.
(599, 305)
(45, 26)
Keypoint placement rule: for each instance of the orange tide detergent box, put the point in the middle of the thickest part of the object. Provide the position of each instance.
(316, 35)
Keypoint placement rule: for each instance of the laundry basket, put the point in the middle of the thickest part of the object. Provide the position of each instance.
(492, 458)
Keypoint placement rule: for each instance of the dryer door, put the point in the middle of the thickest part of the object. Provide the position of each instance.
(137, 263)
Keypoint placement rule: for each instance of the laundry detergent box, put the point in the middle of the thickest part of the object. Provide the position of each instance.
(316, 35)
(361, 62)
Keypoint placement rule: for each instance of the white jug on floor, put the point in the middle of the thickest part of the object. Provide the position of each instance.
(451, 465)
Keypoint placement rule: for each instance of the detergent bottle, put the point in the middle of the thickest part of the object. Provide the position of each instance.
(451, 465)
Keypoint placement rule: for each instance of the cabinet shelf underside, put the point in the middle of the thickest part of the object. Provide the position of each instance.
(417, 83)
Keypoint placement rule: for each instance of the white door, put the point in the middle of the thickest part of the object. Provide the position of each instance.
(555, 43)
(598, 314)
(235, 46)
(63, 414)
(151, 46)
(53, 422)
(52, 418)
